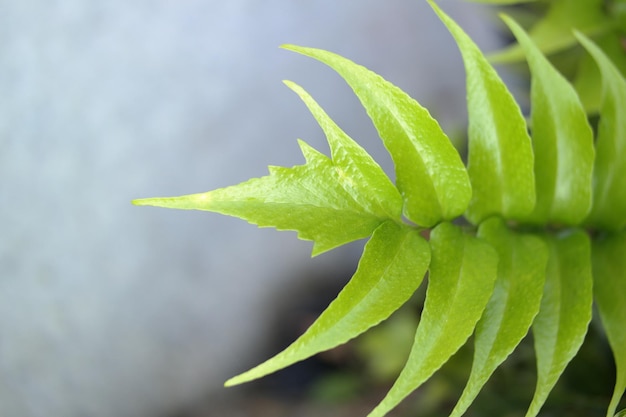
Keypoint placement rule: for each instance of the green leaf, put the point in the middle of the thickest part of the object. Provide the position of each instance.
(609, 288)
(392, 267)
(429, 171)
(618, 11)
(562, 141)
(500, 158)
(331, 202)
(560, 327)
(462, 274)
(355, 166)
(588, 80)
(588, 84)
(554, 32)
(609, 193)
(513, 306)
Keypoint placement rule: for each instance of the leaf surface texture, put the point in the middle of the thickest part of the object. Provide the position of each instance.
(429, 171)
(461, 278)
(329, 201)
(513, 306)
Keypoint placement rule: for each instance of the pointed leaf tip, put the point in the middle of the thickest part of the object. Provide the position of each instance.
(462, 273)
(331, 201)
(609, 289)
(188, 202)
(513, 306)
(429, 171)
(354, 166)
(393, 265)
(140, 202)
(560, 327)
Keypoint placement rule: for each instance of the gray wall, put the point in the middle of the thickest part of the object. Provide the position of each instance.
(112, 310)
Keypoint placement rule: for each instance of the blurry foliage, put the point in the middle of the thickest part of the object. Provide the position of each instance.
(550, 24)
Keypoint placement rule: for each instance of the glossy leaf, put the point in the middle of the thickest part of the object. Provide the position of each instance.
(355, 166)
(392, 267)
(560, 327)
(500, 158)
(554, 32)
(513, 306)
(609, 193)
(331, 202)
(562, 141)
(609, 288)
(461, 278)
(429, 171)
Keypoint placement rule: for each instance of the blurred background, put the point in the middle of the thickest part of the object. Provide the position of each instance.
(112, 310)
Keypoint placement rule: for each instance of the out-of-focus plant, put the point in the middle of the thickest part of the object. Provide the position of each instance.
(552, 24)
(523, 237)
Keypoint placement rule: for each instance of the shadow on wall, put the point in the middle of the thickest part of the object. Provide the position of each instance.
(112, 310)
